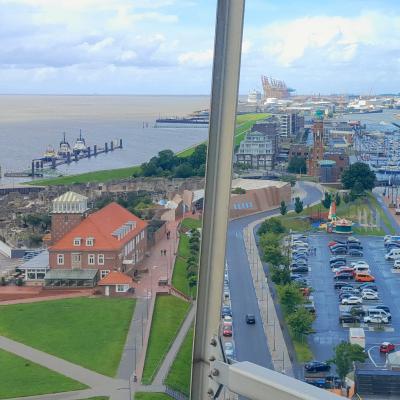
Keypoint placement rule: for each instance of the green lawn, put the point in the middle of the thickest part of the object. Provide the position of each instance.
(179, 279)
(303, 351)
(88, 332)
(96, 398)
(20, 377)
(169, 313)
(151, 396)
(382, 214)
(183, 247)
(191, 223)
(179, 375)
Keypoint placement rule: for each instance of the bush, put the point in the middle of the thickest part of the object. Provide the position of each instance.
(271, 225)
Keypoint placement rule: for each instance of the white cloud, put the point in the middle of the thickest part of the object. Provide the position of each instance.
(196, 58)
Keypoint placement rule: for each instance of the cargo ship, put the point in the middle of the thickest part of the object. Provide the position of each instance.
(199, 119)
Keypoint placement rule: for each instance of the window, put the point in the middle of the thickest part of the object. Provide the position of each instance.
(76, 257)
(137, 239)
(89, 241)
(65, 218)
(91, 259)
(100, 259)
(104, 273)
(77, 241)
(142, 235)
(60, 259)
(122, 288)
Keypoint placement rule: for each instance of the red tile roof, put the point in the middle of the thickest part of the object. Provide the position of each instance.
(100, 226)
(115, 278)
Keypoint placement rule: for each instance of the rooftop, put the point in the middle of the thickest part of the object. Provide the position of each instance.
(69, 197)
(252, 184)
(115, 278)
(71, 274)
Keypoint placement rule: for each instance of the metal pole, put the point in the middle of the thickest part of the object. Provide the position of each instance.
(274, 333)
(224, 96)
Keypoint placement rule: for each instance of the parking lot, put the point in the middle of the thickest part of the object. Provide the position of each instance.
(328, 330)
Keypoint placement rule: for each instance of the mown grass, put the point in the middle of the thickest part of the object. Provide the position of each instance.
(151, 396)
(384, 218)
(169, 313)
(178, 377)
(179, 279)
(303, 351)
(90, 332)
(191, 223)
(20, 378)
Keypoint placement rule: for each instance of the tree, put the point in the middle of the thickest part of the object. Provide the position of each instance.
(345, 354)
(327, 200)
(283, 208)
(337, 199)
(269, 239)
(167, 160)
(280, 275)
(238, 190)
(271, 225)
(358, 174)
(298, 205)
(346, 198)
(290, 297)
(199, 156)
(273, 255)
(184, 170)
(297, 165)
(300, 322)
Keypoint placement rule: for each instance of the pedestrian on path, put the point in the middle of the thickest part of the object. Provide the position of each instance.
(165, 252)
(162, 251)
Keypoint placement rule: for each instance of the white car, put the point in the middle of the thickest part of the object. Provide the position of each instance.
(376, 320)
(396, 264)
(298, 243)
(369, 295)
(229, 350)
(352, 300)
(359, 263)
(228, 319)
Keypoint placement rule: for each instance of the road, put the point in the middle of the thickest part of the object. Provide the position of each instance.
(250, 341)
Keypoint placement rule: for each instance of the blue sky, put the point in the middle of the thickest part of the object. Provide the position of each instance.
(165, 46)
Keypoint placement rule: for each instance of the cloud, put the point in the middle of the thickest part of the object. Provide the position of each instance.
(196, 58)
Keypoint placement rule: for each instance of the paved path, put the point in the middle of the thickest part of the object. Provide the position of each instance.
(173, 351)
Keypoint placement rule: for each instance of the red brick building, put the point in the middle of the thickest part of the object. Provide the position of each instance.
(317, 151)
(111, 239)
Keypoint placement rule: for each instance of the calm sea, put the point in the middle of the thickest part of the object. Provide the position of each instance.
(28, 124)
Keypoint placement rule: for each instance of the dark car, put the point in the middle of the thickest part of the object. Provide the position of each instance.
(358, 311)
(298, 264)
(301, 282)
(316, 366)
(338, 246)
(344, 276)
(226, 312)
(250, 319)
(368, 285)
(346, 295)
(338, 264)
(349, 318)
(337, 258)
(355, 253)
(355, 246)
(299, 268)
(295, 276)
(339, 285)
(339, 250)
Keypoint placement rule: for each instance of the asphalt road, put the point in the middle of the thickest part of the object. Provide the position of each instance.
(328, 330)
(250, 341)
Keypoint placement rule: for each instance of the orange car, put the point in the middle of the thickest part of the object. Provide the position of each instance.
(364, 278)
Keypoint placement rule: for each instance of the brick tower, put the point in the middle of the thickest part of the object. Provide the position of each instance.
(68, 211)
(317, 152)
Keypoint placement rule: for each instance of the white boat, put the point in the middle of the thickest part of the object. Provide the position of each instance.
(80, 144)
(64, 149)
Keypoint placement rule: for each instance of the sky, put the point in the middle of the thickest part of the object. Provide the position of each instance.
(166, 46)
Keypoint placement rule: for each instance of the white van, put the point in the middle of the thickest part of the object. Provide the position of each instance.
(396, 264)
(393, 254)
(375, 312)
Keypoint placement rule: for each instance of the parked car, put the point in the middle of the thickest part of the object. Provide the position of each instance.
(338, 246)
(372, 319)
(349, 318)
(316, 366)
(250, 319)
(352, 300)
(300, 268)
(228, 319)
(355, 253)
(387, 347)
(361, 277)
(348, 288)
(337, 258)
(298, 264)
(227, 330)
(357, 310)
(301, 282)
(369, 295)
(339, 270)
(340, 250)
(343, 276)
(338, 264)
(384, 308)
(352, 239)
(295, 276)
(346, 295)
(336, 242)
(339, 285)
(357, 246)
(359, 263)
(229, 349)
(368, 285)
(226, 311)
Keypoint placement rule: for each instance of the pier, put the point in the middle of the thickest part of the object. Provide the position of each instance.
(38, 165)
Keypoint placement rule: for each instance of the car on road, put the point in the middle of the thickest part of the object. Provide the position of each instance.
(368, 285)
(227, 330)
(229, 349)
(372, 319)
(352, 300)
(300, 268)
(369, 295)
(226, 295)
(347, 317)
(316, 366)
(361, 277)
(387, 347)
(343, 276)
(358, 311)
(226, 311)
(228, 319)
(384, 308)
(355, 253)
(250, 319)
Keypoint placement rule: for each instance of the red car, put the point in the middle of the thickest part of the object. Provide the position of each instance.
(227, 331)
(386, 347)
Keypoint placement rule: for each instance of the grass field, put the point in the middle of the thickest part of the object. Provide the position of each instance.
(96, 398)
(191, 223)
(169, 313)
(303, 351)
(382, 214)
(179, 279)
(20, 377)
(151, 396)
(178, 377)
(88, 332)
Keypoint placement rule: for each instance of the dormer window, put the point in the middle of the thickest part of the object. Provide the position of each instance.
(77, 241)
(89, 241)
